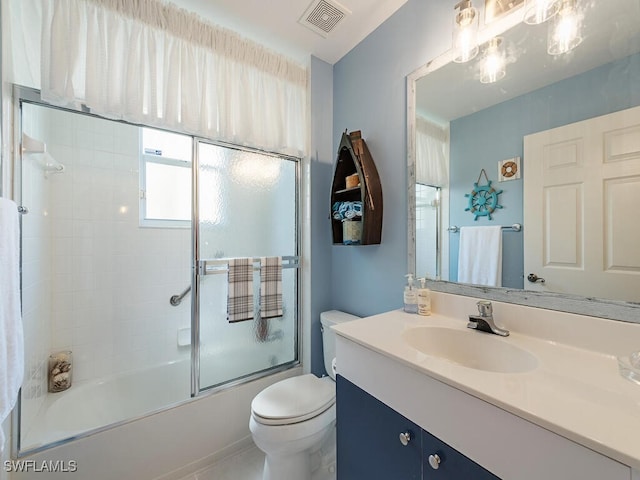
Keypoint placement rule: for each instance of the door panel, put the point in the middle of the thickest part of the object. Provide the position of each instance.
(247, 208)
(582, 180)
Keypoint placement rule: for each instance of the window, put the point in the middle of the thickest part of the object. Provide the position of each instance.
(165, 179)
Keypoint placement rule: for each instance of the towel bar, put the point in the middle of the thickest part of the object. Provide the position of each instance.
(516, 227)
(220, 265)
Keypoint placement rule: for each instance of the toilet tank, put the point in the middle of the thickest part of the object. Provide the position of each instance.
(328, 319)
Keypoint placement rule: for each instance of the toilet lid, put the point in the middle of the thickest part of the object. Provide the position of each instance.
(293, 400)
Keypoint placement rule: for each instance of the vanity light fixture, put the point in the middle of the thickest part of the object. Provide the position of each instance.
(565, 29)
(539, 11)
(465, 32)
(493, 62)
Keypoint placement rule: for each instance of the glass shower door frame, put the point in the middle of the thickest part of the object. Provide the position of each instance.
(199, 269)
(24, 95)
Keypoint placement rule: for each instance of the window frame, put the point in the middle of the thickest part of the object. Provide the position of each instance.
(145, 159)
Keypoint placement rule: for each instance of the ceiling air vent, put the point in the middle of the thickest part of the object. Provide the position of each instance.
(323, 16)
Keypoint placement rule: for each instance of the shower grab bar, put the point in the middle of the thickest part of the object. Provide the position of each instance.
(209, 267)
(516, 227)
(176, 299)
(220, 265)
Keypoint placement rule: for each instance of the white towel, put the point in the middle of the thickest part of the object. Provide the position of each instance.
(11, 342)
(480, 257)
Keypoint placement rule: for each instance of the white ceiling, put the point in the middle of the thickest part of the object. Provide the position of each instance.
(274, 23)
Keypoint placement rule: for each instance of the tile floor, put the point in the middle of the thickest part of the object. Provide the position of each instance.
(246, 465)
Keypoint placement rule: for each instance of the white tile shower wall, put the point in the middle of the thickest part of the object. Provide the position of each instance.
(111, 279)
(36, 270)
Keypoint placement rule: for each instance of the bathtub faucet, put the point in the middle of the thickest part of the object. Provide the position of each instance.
(484, 320)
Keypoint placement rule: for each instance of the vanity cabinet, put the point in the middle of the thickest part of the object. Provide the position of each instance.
(356, 179)
(368, 438)
(452, 465)
(376, 442)
(509, 446)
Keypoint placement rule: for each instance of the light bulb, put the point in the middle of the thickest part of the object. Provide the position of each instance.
(565, 29)
(465, 32)
(539, 11)
(493, 63)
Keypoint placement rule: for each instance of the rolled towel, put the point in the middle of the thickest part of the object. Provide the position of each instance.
(335, 211)
(357, 208)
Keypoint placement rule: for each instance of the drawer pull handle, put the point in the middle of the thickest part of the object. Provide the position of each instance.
(405, 438)
(434, 461)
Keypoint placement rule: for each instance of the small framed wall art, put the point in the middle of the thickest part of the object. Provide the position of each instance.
(509, 169)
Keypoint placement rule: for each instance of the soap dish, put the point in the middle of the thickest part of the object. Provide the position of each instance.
(630, 367)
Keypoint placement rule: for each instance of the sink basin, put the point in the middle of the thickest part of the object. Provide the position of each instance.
(478, 350)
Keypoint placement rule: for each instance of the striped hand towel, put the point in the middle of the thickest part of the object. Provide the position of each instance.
(240, 292)
(270, 287)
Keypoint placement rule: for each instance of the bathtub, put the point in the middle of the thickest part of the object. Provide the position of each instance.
(93, 405)
(168, 443)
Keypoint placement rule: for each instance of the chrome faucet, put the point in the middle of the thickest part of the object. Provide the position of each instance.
(484, 320)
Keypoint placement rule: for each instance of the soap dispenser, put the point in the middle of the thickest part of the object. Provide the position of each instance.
(410, 296)
(424, 298)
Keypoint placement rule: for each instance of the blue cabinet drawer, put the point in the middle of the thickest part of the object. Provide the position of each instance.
(368, 438)
(451, 464)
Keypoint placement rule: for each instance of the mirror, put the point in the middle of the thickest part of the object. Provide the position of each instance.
(495, 127)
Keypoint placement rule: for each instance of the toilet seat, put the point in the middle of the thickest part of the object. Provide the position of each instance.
(293, 400)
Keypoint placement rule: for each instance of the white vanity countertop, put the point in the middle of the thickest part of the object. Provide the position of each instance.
(575, 390)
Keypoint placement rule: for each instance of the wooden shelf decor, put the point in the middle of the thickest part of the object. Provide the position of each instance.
(354, 158)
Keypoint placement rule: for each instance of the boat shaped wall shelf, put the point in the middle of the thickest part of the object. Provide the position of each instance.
(356, 207)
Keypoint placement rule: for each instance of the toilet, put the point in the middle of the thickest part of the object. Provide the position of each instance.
(292, 420)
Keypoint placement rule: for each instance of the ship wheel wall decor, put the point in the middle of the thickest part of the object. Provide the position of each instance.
(483, 199)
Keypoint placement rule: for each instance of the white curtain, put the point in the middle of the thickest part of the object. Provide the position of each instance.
(149, 62)
(431, 163)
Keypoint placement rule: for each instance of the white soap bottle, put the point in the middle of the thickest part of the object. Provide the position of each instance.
(424, 298)
(410, 296)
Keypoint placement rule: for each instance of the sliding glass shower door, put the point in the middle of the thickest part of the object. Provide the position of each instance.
(245, 208)
(114, 216)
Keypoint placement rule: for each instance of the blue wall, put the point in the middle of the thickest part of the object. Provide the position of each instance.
(321, 175)
(369, 94)
(482, 139)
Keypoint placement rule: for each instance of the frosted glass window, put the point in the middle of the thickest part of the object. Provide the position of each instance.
(168, 192)
(165, 179)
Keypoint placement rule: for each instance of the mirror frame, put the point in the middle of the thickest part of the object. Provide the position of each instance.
(576, 304)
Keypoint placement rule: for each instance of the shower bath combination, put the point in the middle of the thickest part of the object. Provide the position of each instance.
(99, 266)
